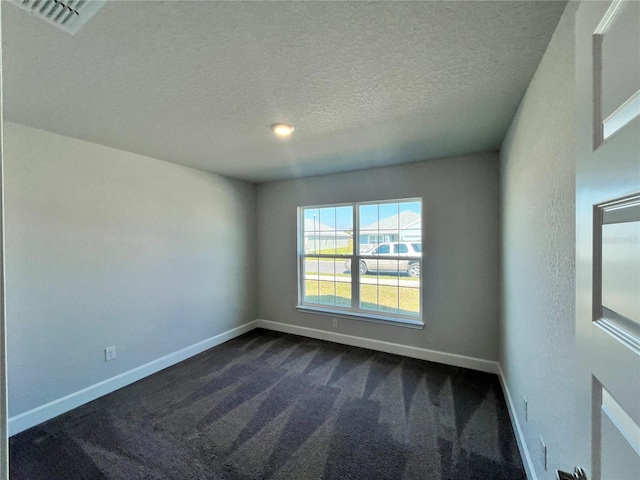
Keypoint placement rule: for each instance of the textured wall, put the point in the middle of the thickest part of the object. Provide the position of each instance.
(4, 453)
(461, 249)
(538, 248)
(104, 247)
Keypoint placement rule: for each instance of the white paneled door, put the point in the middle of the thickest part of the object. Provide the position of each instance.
(608, 240)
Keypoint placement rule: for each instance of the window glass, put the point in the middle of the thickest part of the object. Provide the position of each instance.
(376, 245)
(400, 248)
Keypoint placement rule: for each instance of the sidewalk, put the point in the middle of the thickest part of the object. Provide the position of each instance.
(367, 281)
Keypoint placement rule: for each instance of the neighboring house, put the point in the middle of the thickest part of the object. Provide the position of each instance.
(319, 237)
(405, 226)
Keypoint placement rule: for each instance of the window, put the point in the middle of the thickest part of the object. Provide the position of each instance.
(382, 240)
(400, 248)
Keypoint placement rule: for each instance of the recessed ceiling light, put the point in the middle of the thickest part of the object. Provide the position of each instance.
(282, 129)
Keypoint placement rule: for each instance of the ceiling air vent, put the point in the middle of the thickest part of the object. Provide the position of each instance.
(68, 15)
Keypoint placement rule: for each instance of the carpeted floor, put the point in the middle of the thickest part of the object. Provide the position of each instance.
(273, 406)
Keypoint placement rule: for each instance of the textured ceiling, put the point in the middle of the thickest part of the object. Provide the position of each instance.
(200, 83)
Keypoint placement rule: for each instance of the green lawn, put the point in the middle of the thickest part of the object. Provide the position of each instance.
(388, 299)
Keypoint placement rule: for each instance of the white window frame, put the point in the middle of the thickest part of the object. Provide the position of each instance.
(354, 312)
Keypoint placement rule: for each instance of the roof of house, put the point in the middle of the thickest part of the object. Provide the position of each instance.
(399, 221)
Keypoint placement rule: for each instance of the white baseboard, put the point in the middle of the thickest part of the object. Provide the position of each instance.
(522, 443)
(30, 418)
(388, 347)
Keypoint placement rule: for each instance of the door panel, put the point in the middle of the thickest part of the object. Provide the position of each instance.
(620, 457)
(621, 269)
(619, 55)
(401, 249)
(616, 68)
(608, 239)
(616, 262)
(385, 258)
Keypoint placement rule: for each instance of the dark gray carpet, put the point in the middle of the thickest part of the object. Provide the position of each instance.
(272, 406)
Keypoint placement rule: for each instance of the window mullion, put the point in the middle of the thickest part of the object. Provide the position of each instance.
(302, 289)
(355, 261)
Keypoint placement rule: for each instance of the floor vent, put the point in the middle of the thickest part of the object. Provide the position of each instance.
(68, 15)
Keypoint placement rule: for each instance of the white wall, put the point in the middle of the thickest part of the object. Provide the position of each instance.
(4, 452)
(104, 247)
(460, 250)
(538, 245)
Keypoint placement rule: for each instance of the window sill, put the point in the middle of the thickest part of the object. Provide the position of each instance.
(393, 321)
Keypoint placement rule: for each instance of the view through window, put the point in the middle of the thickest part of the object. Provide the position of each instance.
(362, 258)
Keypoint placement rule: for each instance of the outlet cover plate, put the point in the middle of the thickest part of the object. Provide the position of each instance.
(109, 354)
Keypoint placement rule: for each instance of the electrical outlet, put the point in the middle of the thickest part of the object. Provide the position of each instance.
(543, 454)
(335, 323)
(109, 354)
(526, 408)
